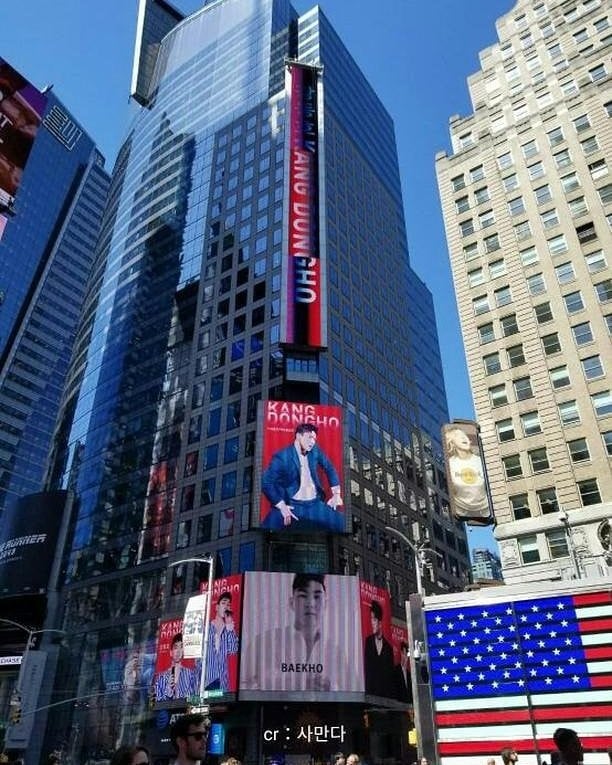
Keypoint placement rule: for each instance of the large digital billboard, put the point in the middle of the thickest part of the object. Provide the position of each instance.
(225, 616)
(301, 635)
(300, 468)
(175, 676)
(303, 316)
(21, 111)
(465, 473)
(378, 655)
(28, 540)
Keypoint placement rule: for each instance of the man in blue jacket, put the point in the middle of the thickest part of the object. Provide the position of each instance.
(293, 486)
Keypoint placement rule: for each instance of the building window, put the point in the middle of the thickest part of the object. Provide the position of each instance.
(516, 356)
(538, 459)
(482, 195)
(513, 469)
(510, 182)
(492, 363)
(582, 333)
(551, 343)
(589, 492)
(462, 204)
(529, 256)
(522, 231)
(529, 149)
(498, 395)
(505, 161)
(547, 499)
(505, 430)
(480, 304)
(536, 284)
(573, 302)
(559, 377)
(477, 173)
(597, 72)
(570, 182)
(562, 159)
(497, 268)
(607, 439)
(592, 367)
(555, 136)
(542, 194)
(530, 422)
(579, 450)
(568, 412)
(598, 169)
(602, 403)
(589, 145)
(578, 207)
(509, 325)
(502, 296)
(565, 273)
(528, 549)
(557, 543)
(522, 388)
(458, 182)
(535, 171)
(486, 333)
(605, 194)
(582, 123)
(516, 206)
(467, 227)
(550, 218)
(596, 261)
(476, 277)
(603, 290)
(491, 243)
(486, 219)
(470, 251)
(543, 313)
(520, 505)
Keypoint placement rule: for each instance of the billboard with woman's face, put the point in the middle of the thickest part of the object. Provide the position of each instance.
(465, 473)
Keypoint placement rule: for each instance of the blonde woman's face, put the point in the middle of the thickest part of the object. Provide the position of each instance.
(461, 440)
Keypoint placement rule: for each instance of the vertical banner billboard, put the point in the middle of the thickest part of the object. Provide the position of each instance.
(401, 657)
(175, 676)
(468, 487)
(21, 112)
(301, 636)
(304, 321)
(299, 476)
(225, 617)
(378, 658)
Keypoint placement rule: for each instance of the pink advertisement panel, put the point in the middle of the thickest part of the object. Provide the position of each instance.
(301, 454)
(378, 656)
(175, 676)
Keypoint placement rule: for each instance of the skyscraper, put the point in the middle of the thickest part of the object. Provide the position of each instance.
(486, 564)
(254, 251)
(526, 200)
(46, 253)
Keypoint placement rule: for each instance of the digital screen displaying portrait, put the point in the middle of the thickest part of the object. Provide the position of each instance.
(301, 635)
(300, 468)
(465, 473)
(176, 677)
(378, 655)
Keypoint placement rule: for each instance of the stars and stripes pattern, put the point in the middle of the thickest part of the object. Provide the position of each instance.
(509, 673)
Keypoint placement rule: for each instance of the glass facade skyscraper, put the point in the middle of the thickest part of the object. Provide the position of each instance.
(46, 253)
(182, 342)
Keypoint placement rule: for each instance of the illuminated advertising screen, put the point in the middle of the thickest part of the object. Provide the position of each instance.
(401, 658)
(21, 111)
(465, 474)
(225, 615)
(303, 321)
(378, 656)
(130, 670)
(301, 636)
(300, 468)
(28, 539)
(175, 676)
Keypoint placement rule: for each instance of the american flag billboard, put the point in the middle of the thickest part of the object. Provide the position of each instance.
(507, 673)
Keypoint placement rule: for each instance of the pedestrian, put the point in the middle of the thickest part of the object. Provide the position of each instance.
(509, 755)
(131, 755)
(189, 737)
(339, 759)
(569, 745)
(353, 759)
(231, 761)
(491, 761)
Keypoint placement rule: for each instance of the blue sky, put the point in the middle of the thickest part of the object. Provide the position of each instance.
(417, 56)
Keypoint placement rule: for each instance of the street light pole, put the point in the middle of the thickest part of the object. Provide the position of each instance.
(30, 633)
(419, 556)
(564, 518)
(208, 558)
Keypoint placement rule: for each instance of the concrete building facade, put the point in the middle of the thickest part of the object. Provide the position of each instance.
(527, 203)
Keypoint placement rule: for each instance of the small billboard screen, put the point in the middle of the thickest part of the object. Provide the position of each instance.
(176, 677)
(378, 655)
(301, 636)
(300, 468)
(21, 112)
(466, 474)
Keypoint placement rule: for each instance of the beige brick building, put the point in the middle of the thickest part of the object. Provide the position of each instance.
(527, 203)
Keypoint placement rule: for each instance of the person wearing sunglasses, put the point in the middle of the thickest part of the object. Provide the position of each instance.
(189, 736)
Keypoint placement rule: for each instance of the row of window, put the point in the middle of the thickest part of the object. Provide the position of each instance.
(569, 414)
(578, 449)
(547, 502)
